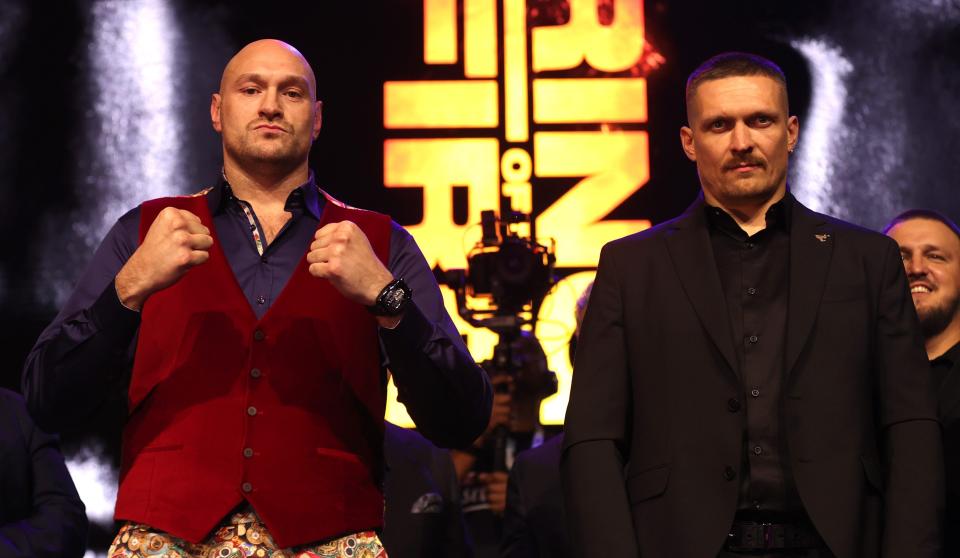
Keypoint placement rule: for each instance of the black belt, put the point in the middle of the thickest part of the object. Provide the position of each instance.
(762, 535)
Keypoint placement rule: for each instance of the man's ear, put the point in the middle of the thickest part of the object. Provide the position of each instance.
(215, 102)
(793, 133)
(686, 141)
(317, 118)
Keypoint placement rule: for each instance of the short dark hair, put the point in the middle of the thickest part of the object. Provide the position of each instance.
(920, 213)
(734, 64)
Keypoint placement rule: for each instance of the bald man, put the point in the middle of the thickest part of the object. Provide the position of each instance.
(251, 325)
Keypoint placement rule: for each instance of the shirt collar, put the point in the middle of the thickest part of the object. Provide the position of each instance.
(948, 358)
(777, 217)
(306, 196)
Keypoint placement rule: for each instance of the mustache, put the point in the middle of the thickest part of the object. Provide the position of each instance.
(753, 161)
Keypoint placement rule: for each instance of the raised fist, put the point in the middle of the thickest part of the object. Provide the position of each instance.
(175, 242)
(342, 254)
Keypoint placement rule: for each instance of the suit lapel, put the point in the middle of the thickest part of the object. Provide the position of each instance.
(811, 247)
(692, 256)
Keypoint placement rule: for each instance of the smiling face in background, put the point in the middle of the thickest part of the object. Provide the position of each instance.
(931, 258)
(740, 136)
(266, 110)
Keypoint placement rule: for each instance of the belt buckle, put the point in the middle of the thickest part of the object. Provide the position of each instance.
(766, 534)
(754, 536)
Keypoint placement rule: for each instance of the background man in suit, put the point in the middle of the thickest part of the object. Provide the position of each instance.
(422, 517)
(533, 522)
(750, 377)
(930, 246)
(41, 515)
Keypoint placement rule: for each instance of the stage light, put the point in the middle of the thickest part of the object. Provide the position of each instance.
(824, 128)
(132, 140)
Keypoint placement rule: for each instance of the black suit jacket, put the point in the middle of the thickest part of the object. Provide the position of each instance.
(422, 499)
(949, 399)
(654, 441)
(533, 522)
(41, 515)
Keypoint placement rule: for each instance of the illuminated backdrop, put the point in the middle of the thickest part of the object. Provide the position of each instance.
(570, 108)
(542, 91)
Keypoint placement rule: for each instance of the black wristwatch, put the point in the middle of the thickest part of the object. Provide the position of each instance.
(392, 300)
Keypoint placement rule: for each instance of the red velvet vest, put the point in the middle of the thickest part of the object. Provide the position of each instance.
(285, 412)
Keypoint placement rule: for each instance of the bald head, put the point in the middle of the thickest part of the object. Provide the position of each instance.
(267, 112)
(270, 55)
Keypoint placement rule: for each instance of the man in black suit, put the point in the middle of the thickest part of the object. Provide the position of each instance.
(41, 515)
(750, 377)
(422, 517)
(930, 247)
(533, 522)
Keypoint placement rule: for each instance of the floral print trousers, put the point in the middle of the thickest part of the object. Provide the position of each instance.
(242, 535)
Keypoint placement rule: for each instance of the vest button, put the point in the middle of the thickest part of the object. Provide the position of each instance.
(248, 452)
(733, 405)
(246, 487)
(251, 410)
(729, 473)
(259, 335)
(255, 373)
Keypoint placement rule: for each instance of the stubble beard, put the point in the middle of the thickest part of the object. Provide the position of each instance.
(748, 191)
(280, 154)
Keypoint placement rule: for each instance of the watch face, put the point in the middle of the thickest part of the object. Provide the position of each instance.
(394, 299)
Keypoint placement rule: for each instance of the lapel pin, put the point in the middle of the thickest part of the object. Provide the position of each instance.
(822, 237)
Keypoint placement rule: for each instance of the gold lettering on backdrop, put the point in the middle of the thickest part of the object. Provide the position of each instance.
(569, 77)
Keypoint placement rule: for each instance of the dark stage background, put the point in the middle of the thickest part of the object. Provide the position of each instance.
(105, 103)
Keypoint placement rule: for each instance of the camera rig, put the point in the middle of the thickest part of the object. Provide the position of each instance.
(511, 274)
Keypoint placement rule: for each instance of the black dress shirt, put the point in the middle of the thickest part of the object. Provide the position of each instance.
(89, 347)
(754, 272)
(946, 375)
(943, 364)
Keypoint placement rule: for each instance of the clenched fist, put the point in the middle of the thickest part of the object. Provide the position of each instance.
(342, 254)
(175, 242)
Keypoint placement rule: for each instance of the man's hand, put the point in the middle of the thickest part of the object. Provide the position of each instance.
(501, 413)
(176, 242)
(342, 254)
(496, 484)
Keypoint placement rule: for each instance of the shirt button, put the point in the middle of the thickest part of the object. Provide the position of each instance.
(261, 299)
(729, 473)
(255, 373)
(248, 452)
(246, 487)
(753, 339)
(259, 335)
(749, 245)
(733, 405)
(757, 450)
(751, 291)
(251, 410)
(755, 392)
